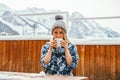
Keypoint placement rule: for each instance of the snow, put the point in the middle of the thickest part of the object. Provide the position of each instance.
(41, 24)
(110, 41)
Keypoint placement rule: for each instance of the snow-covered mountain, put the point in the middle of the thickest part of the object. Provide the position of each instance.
(5, 29)
(29, 25)
(4, 8)
(89, 29)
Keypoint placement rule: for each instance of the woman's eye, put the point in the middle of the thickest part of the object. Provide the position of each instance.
(55, 32)
(61, 32)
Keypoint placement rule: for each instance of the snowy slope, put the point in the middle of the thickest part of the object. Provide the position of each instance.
(89, 29)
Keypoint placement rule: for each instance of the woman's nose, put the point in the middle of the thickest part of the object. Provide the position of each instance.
(58, 35)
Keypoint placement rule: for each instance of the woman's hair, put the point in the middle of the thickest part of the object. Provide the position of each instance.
(65, 36)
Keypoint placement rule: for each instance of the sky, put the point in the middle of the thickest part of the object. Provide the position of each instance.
(88, 8)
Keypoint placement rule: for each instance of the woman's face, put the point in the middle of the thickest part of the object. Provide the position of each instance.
(58, 33)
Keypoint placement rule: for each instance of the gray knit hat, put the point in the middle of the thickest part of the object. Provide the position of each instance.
(59, 23)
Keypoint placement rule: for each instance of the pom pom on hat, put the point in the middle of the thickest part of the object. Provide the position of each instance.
(58, 17)
(59, 23)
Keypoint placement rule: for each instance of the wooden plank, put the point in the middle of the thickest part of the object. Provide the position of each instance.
(15, 55)
(97, 60)
(113, 62)
(26, 54)
(92, 64)
(1, 55)
(30, 52)
(102, 63)
(7, 55)
(4, 56)
(41, 44)
(34, 59)
(18, 56)
(17, 62)
(118, 62)
(12, 58)
(82, 58)
(14, 43)
(39, 66)
(39, 55)
(108, 63)
(22, 49)
(87, 60)
(76, 72)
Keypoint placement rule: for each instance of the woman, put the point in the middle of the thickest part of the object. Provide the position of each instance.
(59, 60)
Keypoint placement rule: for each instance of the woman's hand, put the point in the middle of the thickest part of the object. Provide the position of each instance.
(68, 57)
(47, 57)
(53, 43)
(64, 43)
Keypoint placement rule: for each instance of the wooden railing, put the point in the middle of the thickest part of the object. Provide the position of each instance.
(98, 62)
